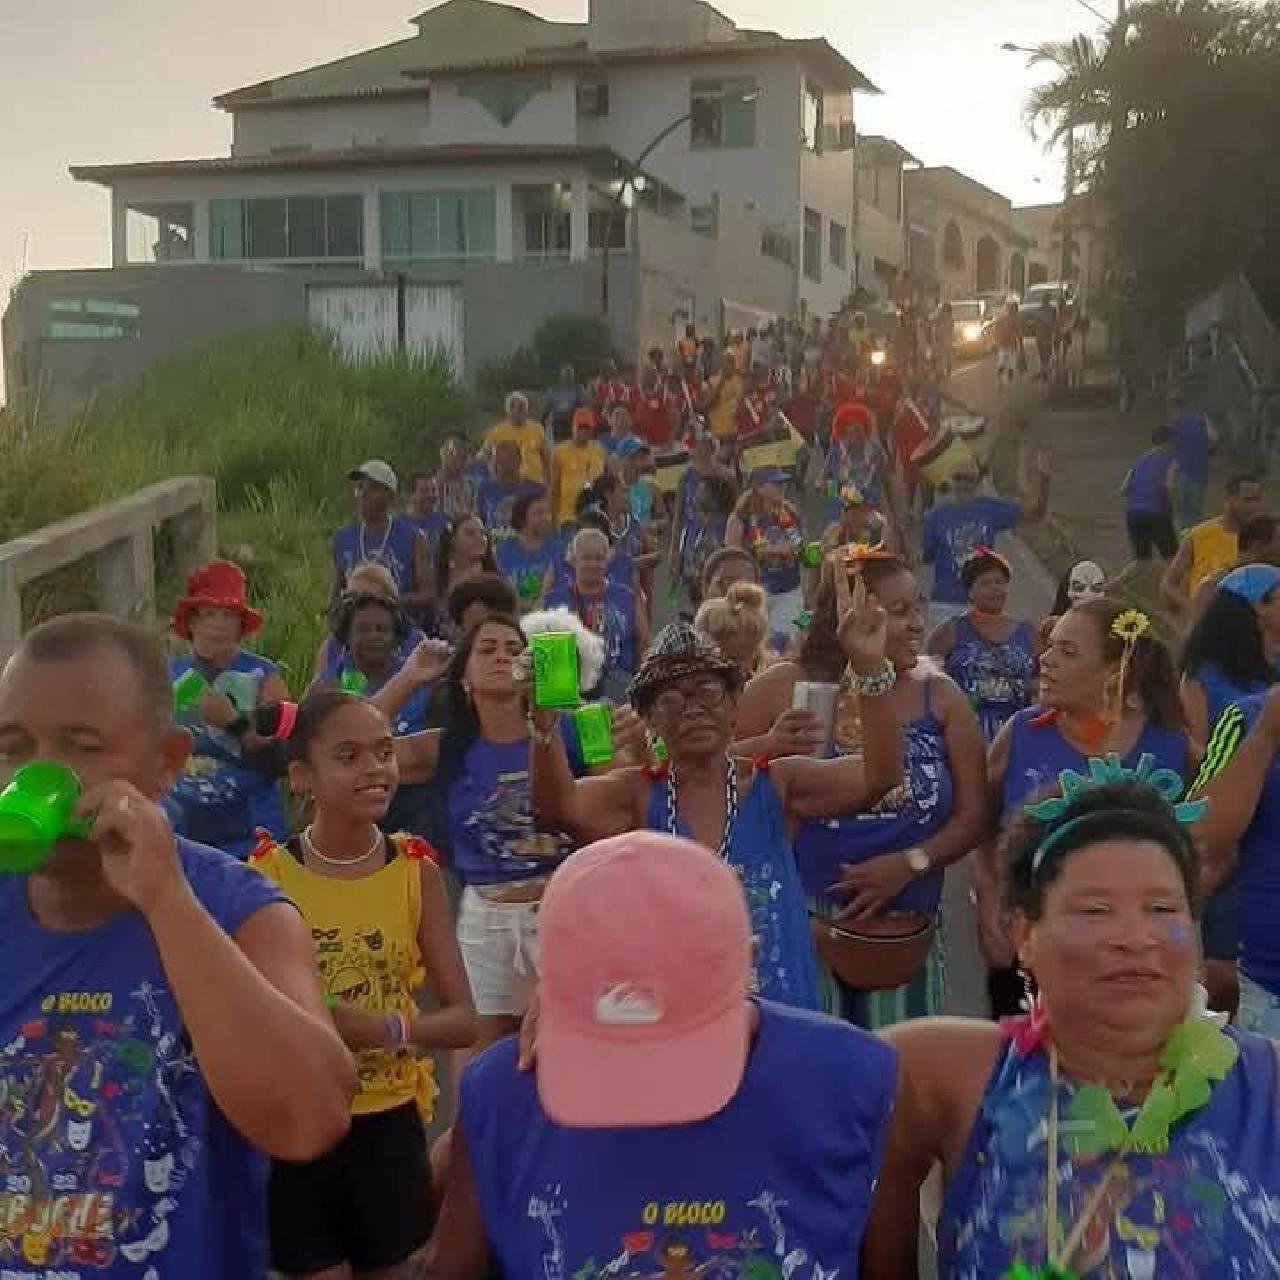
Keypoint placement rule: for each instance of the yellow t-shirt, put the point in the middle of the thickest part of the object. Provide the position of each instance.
(366, 936)
(1213, 548)
(577, 465)
(722, 418)
(530, 438)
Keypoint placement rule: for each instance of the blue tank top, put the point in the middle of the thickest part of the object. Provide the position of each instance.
(612, 616)
(760, 851)
(904, 818)
(770, 531)
(998, 679)
(353, 546)
(1146, 487)
(776, 1184)
(221, 799)
(491, 827)
(119, 1164)
(1259, 871)
(1038, 753)
(1210, 1207)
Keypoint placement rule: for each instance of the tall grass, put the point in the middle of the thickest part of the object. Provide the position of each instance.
(277, 420)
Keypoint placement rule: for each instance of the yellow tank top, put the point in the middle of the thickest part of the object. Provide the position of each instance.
(366, 936)
(1213, 548)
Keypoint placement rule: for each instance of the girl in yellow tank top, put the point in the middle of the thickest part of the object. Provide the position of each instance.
(380, 919)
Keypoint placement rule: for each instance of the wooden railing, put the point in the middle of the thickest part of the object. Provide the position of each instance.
(120, 541)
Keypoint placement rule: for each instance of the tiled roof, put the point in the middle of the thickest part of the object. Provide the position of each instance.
(360, 158)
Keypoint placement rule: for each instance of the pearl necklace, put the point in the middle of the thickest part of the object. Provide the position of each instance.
(365, 553)
(340, 862)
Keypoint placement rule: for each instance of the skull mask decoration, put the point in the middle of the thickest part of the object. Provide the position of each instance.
(1087, 582)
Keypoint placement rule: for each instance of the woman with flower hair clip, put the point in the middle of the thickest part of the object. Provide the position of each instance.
(1117, 1129)
(1106, 684)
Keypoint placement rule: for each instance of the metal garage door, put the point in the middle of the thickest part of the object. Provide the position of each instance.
(433, 321)
(361, 316)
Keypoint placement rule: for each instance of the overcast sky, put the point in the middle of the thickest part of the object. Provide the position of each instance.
(111, 80)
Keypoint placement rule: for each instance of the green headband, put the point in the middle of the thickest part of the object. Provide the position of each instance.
(1103, 772)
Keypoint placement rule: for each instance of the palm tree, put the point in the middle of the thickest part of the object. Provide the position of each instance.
(1079, 97)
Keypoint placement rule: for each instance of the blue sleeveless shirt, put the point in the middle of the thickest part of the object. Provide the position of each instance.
(998, 679)
(221, 799)
(786, 965)
(776, 1184)
(1259, 863)
(904, 818)
(1209, 1208)
(612, 616)
(1038, 753)
(353, 546)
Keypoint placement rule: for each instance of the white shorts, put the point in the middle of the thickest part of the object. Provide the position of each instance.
(499, 945)
(1006, 360)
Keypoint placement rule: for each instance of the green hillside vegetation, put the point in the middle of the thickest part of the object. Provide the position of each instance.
(277, 420)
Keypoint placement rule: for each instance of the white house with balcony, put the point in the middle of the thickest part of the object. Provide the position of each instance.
(499, 167)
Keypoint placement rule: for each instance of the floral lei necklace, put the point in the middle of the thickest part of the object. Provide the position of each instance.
(1195, 1057)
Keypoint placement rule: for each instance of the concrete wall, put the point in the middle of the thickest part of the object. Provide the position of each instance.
(183, 309)
(826, 186)
(621, 24)
(61, 374)
(397, 122)
(686, 277)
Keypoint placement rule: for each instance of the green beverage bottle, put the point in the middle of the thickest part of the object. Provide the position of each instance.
(188, 690)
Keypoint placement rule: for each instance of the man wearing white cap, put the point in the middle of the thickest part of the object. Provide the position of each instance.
(377, 536)
(672, 1123)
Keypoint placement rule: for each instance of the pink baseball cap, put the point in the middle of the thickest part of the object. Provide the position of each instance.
(644, 974)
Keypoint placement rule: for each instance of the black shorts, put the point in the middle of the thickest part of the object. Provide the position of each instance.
(1151, 531)
(366, 1203)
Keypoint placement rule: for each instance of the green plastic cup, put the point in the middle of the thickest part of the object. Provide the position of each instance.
(594, 726)
(35, 813)
(812, 555)
(658, 749)
(555, 670)
(188, 689)
(530, 585)
(353, 682)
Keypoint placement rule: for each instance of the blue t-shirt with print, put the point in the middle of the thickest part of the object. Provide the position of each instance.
(354, 545)
(116, 1162)
(524, 568)
(953, 531)
(492, 835)
(612, 616)
(777, 1183)
(495, 502)
(430, 527)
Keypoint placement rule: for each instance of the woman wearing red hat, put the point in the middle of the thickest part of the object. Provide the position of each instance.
(228, 789)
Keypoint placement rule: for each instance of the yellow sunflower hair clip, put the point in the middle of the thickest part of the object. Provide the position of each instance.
(1129, 627)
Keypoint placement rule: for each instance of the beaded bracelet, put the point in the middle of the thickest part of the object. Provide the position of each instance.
(876, 686)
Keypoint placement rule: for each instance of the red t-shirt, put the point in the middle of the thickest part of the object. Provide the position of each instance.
(853, 418)
(655, 418)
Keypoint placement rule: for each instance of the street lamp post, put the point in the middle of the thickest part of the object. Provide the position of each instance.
(631, 170)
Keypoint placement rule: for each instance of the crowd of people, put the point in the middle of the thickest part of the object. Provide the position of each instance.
(676, 927)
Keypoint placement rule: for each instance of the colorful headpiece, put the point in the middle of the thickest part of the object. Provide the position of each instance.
(1103, 772)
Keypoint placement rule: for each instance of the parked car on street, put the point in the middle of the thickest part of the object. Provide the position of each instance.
(972, 327)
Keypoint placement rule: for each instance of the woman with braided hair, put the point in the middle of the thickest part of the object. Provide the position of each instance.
(1117, 1129)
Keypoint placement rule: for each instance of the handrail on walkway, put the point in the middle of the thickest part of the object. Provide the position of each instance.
(119, 539)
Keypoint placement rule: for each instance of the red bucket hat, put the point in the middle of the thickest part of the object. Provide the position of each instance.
(217, 585)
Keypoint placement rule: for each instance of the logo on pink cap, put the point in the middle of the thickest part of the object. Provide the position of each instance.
(628, 1004)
